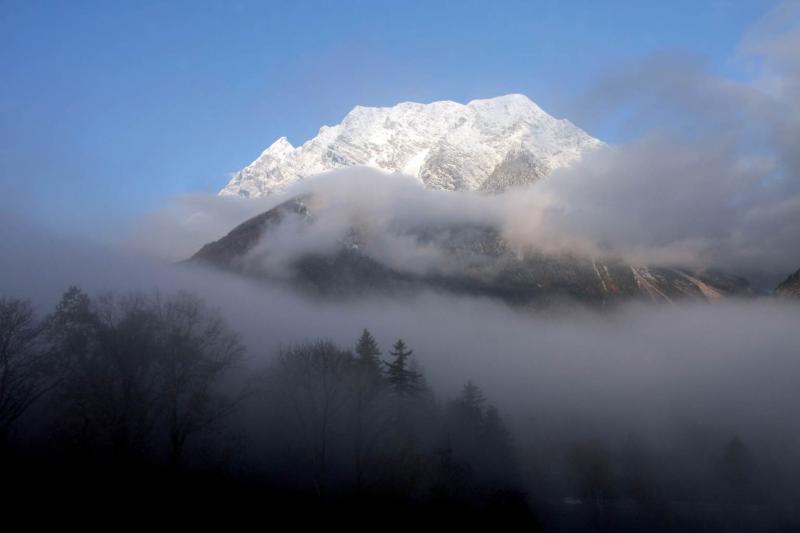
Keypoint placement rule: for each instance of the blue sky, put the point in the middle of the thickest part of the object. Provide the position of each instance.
(108, 109)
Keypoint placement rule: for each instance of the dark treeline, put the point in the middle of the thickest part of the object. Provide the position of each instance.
(148, 397)
(140, 403)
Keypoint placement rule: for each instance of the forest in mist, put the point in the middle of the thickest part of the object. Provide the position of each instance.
(647, 418)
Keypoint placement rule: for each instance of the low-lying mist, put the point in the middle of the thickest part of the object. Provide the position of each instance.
(732, 362)
(689, 407)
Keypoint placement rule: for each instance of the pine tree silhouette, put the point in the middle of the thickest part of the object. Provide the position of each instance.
(403, 380)
(368, 356)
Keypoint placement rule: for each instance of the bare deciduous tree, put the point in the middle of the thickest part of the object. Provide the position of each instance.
(24, 376)
(313, 379)
(133, 364)
(196, 350)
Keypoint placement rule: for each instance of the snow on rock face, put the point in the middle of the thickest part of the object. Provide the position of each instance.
(485, 145)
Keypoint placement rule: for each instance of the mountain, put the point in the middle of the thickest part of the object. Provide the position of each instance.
(471, 259)
(485, 145)
(790, 286)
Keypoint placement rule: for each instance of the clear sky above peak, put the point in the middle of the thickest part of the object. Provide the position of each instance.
(107, 109)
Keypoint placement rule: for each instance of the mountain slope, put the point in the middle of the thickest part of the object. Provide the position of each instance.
(790, 286)
(471, 259)
(485, 145)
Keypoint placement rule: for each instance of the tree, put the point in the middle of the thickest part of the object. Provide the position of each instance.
(196, 350)
(499, 463)
(367, 409)
(313, 388)
(368, 356)
(479, 437)
(737, 469)
(472, 404)
(137, 365)
(25, 375)
(108, 350)
(71, 329)
(71, 333)
(404, 381)
(593, 465)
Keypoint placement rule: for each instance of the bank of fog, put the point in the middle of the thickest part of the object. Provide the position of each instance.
(594, 403)
(730, 365)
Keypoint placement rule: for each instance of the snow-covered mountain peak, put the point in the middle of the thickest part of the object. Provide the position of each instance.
(510, 105)
(489, 144)
(279, 148)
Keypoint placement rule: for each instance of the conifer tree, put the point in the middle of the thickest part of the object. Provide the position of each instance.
(495, 443)
(737, 468)
(416, 368)
(369, 386)
(472, 403)
(72, 326)
(403, 380)
(368, 355)
(494, 429)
